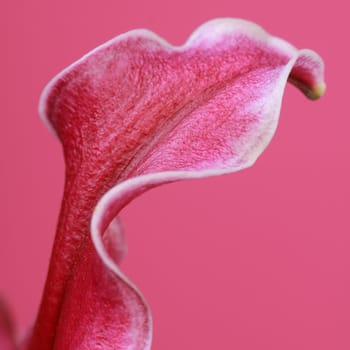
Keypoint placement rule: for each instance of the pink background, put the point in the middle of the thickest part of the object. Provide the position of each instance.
(254, 260)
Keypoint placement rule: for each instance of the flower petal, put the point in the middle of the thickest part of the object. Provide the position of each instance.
(103, 308)
(7, 340)
(136, 113)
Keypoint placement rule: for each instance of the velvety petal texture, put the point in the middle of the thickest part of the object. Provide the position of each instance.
(135, 113)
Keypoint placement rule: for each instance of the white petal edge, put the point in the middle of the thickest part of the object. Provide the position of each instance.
(207, 31)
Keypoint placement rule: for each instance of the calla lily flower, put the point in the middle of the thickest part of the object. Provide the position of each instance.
(136, 113)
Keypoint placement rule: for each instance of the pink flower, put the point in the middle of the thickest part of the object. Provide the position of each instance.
(136, 113)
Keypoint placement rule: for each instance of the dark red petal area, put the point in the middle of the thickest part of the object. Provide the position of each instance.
(136, 113)
(7, 338)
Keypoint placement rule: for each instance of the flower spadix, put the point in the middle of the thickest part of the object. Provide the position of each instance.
(135, 113)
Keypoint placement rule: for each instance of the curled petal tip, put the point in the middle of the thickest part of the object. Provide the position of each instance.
(308, 74)
(317, 91)
(312, 92)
